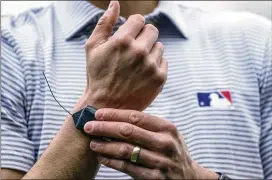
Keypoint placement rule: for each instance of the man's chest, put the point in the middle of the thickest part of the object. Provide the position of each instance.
(210, 94)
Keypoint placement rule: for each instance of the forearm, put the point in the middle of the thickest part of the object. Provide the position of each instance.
(204, 173)
(68, 156)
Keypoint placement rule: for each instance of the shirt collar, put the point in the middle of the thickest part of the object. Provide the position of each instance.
(74, 15)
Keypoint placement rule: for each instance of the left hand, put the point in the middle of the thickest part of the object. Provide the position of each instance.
(163, 153)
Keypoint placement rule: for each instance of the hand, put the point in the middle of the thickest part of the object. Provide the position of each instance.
(163, 152)
(126, 70)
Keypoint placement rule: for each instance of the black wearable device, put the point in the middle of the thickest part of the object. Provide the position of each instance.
(84, 115)
(223, 176)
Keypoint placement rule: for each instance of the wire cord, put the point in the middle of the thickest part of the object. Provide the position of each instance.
(54, 96)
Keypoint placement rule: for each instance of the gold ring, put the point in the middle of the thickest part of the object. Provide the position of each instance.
(135, 154)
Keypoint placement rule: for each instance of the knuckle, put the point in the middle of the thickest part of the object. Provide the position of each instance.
(100, 147)
(134, 117)
(105, 23)
(124, 41)
(122, 166)
(112, 115)
(172, 129)
(141, 52)
(152, 28)
(88, 44)
(164, 68)
(152, 69)
(102, 21)
(167, 144)
(181, 137)
(124, 151)
(159, 77)
(159, 46)
(99, 127)
(165, 64)
(126, 130)
(170, 144)
(138, 17)
(157, 174)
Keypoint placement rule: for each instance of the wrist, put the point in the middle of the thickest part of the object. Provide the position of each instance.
(70, 152)
(204, 173)
(69, 129)
(90, 98)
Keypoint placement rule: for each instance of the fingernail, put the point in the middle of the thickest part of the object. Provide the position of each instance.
(89, 127)
(110, 5)
(99, 114)
(93, 144)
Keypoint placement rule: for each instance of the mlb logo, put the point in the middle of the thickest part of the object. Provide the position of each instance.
(216, 99)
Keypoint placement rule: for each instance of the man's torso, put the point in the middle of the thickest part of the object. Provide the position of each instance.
(215, 60)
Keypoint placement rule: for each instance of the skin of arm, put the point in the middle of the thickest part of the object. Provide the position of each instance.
(65, 157)
(68, 155)
(11, 174)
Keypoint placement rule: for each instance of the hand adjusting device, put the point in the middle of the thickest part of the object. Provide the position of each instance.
(84, 115)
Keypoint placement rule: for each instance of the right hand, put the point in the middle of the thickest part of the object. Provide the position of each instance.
(126, 70)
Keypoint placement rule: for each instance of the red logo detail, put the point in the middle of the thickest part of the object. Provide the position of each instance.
(227, 95)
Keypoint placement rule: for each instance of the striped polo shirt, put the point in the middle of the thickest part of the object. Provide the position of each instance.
(218, 92)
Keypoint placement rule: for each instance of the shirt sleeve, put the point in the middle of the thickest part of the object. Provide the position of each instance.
(266, 111)
(17, 151)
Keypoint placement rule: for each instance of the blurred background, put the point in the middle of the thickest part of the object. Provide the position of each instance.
(259, 7)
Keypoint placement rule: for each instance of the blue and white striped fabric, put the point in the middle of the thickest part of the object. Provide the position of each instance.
(224, 54)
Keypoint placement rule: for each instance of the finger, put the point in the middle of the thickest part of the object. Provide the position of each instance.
(123, 150)
(148, 37)
(105, 25)
(157, 53)
(164, 66)
(130, 133)
(133, 170)
(140, 119)
(163, 70)
(131, 27)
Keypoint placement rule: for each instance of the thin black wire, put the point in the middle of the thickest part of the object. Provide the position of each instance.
(54, 96)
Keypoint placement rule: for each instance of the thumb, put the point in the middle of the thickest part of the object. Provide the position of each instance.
(105, 25)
